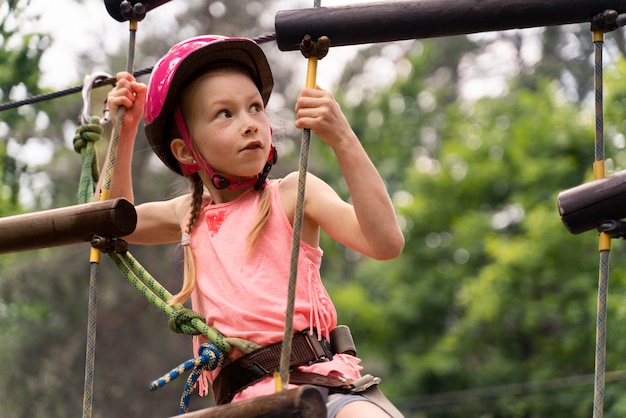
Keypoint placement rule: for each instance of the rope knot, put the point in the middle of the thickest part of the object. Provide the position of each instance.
(86, 133)
(209, 358)
(181, 321)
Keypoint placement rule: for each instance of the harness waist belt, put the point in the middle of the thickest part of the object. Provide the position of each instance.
(263, 362)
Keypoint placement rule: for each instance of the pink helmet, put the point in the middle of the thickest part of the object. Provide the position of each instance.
(185, 62)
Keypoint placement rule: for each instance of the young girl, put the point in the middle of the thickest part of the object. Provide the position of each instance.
(204, 111)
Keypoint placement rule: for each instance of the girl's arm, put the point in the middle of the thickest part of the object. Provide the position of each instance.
(157, 221)
(369, 225)
(132, 95)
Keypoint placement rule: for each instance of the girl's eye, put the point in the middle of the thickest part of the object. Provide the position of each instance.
(256, 108)
(224, 114)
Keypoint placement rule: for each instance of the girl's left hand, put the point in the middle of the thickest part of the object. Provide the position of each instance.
(317, 109)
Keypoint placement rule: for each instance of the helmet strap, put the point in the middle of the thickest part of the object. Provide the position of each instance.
(221, 182)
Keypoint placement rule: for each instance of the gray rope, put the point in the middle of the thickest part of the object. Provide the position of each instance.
(90, 355)
(285, 352)
(92, 308)
(598, 76)
(603, 281)
(599, 378)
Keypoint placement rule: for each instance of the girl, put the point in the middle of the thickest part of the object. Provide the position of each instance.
(204, 111)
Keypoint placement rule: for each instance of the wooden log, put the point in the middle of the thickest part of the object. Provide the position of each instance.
(69, 225)
(417, 19)
(586, 206)
(302, 402)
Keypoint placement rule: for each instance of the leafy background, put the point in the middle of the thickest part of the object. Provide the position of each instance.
(490, 310)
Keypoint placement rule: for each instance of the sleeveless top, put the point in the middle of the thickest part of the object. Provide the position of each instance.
(243, 293)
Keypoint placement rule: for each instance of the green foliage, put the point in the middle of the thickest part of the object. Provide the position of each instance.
(491, 290)
(490, 311)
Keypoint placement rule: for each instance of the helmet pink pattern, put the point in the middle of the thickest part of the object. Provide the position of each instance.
(183, 63)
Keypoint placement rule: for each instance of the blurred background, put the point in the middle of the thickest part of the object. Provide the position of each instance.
(489, 312)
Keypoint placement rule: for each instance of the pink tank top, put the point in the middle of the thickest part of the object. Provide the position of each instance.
(243, 293)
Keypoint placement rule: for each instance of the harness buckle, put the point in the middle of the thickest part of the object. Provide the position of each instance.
(364, 383)
(321, 349)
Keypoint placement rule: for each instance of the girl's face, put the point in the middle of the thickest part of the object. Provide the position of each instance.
(227, 123)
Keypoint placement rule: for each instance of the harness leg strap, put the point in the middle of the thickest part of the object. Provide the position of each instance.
(376, 396)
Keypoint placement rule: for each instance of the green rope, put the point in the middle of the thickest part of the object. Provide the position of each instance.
(84, 143)
(181, 320)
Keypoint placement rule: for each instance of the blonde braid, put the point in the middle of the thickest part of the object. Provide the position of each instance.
(265, 208)
(189, 275)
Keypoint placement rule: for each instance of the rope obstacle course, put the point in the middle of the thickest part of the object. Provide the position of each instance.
(357, 24)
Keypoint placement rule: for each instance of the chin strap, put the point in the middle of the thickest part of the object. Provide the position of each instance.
(233, 183)
(221, 182)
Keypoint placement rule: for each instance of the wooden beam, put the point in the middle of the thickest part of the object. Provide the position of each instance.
(302, 402)
(69, 225)
(401, 20)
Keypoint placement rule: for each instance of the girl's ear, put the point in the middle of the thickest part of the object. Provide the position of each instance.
(181, 152)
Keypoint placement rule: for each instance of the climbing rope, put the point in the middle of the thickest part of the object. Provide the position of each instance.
(84, 143)
(94, 256)
(604, 242)
(282, 380)
(607, 21)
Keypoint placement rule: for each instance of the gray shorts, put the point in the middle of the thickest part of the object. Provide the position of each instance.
(336, 401)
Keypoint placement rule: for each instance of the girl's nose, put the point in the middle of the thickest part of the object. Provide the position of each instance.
(250, 124)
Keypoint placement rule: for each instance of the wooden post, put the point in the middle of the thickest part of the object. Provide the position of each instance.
(401, 20)
(69, 225)
(302, 402)
(586, 206)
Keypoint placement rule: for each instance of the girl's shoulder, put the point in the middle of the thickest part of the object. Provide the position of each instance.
(288, 189)
(289, 184)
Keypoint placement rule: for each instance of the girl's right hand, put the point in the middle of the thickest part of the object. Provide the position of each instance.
(130, 94)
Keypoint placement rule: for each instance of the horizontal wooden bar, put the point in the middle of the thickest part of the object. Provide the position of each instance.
(586, 206)
(302, 402)
(69, 225)
(417, 19)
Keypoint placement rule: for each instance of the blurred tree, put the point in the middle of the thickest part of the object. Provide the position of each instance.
(43, 302)
(19, 72)
(491, 291)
